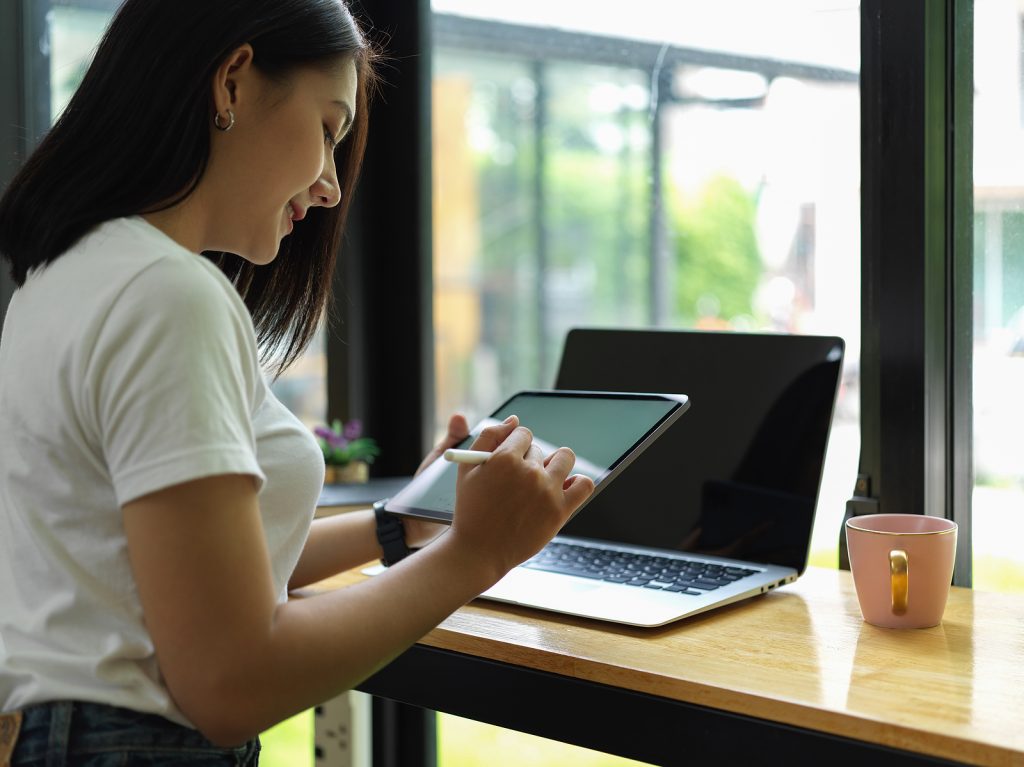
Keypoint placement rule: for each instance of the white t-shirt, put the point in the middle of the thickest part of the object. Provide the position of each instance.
(126, 366)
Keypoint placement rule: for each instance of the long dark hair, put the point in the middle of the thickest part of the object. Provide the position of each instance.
(135, 138)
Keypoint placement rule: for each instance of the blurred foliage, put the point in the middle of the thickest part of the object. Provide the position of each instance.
(288, 744)
(992, 573)
(718, 263)
(465, 743)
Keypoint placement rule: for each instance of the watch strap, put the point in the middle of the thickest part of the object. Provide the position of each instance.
(390, 535)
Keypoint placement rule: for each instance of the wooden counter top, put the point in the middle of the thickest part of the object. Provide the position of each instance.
(800, 655)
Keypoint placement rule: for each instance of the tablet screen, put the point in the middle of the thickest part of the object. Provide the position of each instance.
(606, 430)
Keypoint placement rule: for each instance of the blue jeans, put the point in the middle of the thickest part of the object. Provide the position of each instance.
(66, 733)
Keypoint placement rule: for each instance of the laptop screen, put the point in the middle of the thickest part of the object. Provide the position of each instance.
(739, 476)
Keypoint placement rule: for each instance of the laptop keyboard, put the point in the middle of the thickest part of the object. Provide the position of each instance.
(684, 576)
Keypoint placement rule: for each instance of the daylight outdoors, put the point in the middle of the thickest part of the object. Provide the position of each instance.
(666, 167)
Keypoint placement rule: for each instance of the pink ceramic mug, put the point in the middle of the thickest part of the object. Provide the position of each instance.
(902, 566)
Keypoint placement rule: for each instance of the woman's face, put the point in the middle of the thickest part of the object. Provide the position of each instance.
(277, 161)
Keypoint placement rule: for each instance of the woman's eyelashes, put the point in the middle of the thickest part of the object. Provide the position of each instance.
(329, 138)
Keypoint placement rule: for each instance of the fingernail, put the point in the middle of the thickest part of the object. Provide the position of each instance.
(510, 419)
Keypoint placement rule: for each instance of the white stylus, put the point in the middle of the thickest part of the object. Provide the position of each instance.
(466, 456)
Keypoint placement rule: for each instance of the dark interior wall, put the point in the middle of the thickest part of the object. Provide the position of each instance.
(381, 351)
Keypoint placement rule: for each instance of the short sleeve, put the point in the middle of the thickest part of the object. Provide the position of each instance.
(173, 380)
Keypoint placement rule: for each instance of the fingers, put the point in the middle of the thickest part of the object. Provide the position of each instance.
(560, 463)
(458, 430)
(519, 443)
(493, 436)
(509, 437)
(577, 489)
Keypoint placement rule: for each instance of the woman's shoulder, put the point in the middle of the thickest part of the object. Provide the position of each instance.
(132, 261)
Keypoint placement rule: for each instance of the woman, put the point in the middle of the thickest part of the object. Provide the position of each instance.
(155, 498)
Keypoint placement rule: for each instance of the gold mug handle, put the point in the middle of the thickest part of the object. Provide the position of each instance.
(899, 575)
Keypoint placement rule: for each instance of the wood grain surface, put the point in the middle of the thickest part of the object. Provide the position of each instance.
(800, 655)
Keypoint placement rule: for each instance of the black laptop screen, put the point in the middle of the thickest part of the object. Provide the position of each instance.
(739, 476)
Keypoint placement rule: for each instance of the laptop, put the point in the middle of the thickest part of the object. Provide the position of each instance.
(720, 508)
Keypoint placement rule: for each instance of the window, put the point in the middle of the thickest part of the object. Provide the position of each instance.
(667, 167)
(998, 497)
(520, 120)
(672, 167)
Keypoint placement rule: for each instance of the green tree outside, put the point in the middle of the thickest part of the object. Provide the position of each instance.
(718, 263)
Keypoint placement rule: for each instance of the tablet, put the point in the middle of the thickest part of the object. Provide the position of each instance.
(606, 430)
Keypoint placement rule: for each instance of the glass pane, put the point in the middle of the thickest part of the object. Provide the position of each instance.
(74, 34)
(680, 165)
(303, 387)
(998, 500)
(668, 167)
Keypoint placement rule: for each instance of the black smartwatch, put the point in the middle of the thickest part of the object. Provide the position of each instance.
(390, 535)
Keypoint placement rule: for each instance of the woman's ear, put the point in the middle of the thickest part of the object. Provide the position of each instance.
(233, 75)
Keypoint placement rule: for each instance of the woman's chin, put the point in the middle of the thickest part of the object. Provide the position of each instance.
(260, 256)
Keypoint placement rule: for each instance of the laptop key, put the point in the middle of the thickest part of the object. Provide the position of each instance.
(703, 585)
(683, 590)
(582, 573)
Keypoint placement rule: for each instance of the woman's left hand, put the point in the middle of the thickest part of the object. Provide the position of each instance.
(419, 532)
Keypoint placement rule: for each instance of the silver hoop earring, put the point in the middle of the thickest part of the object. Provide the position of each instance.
(225, 128)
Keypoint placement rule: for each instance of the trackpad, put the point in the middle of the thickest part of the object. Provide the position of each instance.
(535, 587)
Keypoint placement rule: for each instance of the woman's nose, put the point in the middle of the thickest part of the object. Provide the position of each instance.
(326, 191)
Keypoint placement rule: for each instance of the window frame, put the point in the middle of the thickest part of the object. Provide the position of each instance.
(380, 362)
(917, 198)
(24, 94)
(917, 336)
(916, 269)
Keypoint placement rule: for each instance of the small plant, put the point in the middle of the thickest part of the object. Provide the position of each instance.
(343, 443)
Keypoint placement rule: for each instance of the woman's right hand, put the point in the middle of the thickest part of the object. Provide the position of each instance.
(508, 508)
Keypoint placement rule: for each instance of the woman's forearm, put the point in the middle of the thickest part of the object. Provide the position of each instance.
(335, 544)
(320, 646)
(235, 661)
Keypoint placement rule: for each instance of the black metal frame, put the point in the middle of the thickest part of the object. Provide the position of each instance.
(402, 735)
(11, 98)
(24, 96)
(610, 719)
(521, 41)
(380, 348)
(916, 337)
(960, 293)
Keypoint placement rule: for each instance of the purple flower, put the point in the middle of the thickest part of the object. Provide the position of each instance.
(353, 429)
(331, 437)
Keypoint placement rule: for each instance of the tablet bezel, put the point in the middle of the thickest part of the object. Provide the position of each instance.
(680, 402)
